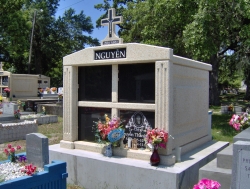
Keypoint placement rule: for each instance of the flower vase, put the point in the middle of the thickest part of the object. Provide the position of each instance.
(108, 150)
(155, 158)
(12, 157)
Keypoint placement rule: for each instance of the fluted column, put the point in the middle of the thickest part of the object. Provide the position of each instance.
(70, 107)
(164, 100)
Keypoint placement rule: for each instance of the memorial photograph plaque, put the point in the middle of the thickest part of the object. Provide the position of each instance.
(136, 125)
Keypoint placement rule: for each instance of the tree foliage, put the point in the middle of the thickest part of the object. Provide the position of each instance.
(218, 32)
(53, 37)
(13, 21)
(212, 31)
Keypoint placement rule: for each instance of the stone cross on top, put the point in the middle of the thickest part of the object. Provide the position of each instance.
(111, 21)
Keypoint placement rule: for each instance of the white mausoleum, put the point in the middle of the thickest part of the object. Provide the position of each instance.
(168, 91)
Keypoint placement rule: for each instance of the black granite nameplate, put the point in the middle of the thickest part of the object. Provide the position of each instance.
(110, 54)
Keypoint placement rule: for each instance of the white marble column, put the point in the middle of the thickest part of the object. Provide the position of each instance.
(70, 107)
(164, 100)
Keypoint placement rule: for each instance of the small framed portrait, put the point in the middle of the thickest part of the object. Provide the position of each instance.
(138, 119)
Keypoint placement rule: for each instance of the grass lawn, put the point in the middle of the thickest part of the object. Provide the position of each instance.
(221, 130)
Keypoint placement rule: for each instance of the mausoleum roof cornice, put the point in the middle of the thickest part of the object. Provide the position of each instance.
(135, 53)
(128, 53)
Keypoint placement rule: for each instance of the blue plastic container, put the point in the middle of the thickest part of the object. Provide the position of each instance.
(53, 177)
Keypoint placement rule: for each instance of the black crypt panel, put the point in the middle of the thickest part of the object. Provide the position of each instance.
(86, 118)
(95, 83)
(137, 83)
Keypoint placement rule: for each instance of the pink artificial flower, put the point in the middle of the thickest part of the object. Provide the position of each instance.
(207, 184)
(6, 152)
(18, 147)
(157, 137)
(7, 90)
(12, 150)
(162, 145)
(9, 146)
(237, 126)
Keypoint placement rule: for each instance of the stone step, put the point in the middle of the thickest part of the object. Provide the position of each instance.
(211, 171)
(225, 158)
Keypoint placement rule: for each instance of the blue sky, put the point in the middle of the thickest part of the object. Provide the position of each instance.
(87, 6)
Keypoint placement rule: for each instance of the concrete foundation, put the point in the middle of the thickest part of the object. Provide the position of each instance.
(17, 131)
(53, 109)
(94, 171)
(44, 119)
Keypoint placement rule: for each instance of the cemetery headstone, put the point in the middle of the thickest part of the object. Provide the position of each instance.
(238, 109)
(37, 149)
(9, 108)
(60, 90)
(241, 165)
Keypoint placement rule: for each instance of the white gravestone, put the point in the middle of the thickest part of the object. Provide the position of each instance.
(9, 108)
(241, 165)
(60, 90)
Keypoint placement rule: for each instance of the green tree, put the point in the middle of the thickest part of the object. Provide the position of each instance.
(158, 22)
(14, 30)
(53, 38)
(217, 32)
(209, 31)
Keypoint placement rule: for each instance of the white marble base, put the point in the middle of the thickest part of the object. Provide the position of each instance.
(92, 170)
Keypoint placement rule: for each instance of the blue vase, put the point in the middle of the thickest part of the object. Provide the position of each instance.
(108, 150)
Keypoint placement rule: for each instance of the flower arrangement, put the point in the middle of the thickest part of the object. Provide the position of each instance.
(230, 107)
(7, 90)
(156, 138)
(10, 151)
(43, 110)
(20, 104)
(47, 89)
(60, 95)
(239, 122)
(29, 169)
(109, 131)
(17, 114)
(207, 184)
(53, 89)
